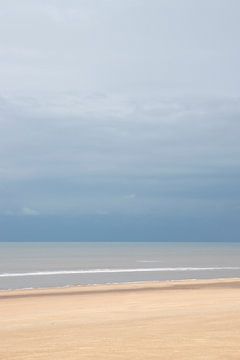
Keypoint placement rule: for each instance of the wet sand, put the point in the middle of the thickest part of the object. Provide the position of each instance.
(197, 319)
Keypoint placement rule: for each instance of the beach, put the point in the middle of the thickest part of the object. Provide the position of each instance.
(195, 319)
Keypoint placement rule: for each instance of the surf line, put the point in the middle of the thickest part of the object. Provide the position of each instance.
(106, 271)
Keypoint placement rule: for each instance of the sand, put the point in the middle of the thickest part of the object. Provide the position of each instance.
(178, 320)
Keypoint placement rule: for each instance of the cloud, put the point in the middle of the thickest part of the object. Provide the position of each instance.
(66, 136)
(65, 155)
(26, 211)
(130, 196)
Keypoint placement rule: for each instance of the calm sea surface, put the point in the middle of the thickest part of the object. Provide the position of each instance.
(40, 265)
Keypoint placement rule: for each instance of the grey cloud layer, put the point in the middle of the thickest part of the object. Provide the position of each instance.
(75, 154)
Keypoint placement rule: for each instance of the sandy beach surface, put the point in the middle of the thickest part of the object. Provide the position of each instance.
(198, 319)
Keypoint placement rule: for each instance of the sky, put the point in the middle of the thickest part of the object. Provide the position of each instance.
(119, 120)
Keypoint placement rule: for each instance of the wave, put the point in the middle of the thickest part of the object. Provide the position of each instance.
(106, 271)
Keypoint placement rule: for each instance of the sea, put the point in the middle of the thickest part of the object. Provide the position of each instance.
(28, 265)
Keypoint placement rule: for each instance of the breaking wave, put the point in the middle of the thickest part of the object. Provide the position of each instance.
(105, 271)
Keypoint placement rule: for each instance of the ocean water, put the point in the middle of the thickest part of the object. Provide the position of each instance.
(42, 265)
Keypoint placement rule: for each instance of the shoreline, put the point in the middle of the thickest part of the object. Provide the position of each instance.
(121, 287)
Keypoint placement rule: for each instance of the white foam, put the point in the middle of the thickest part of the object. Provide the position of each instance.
(106, 271)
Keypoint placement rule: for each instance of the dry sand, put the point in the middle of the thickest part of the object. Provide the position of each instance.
(178, 320)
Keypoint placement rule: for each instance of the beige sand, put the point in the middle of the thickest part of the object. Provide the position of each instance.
(182, 320)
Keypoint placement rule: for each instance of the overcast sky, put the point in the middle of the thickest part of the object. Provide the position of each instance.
(120, 108)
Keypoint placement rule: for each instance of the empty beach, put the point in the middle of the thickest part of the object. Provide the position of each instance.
(197, 319)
